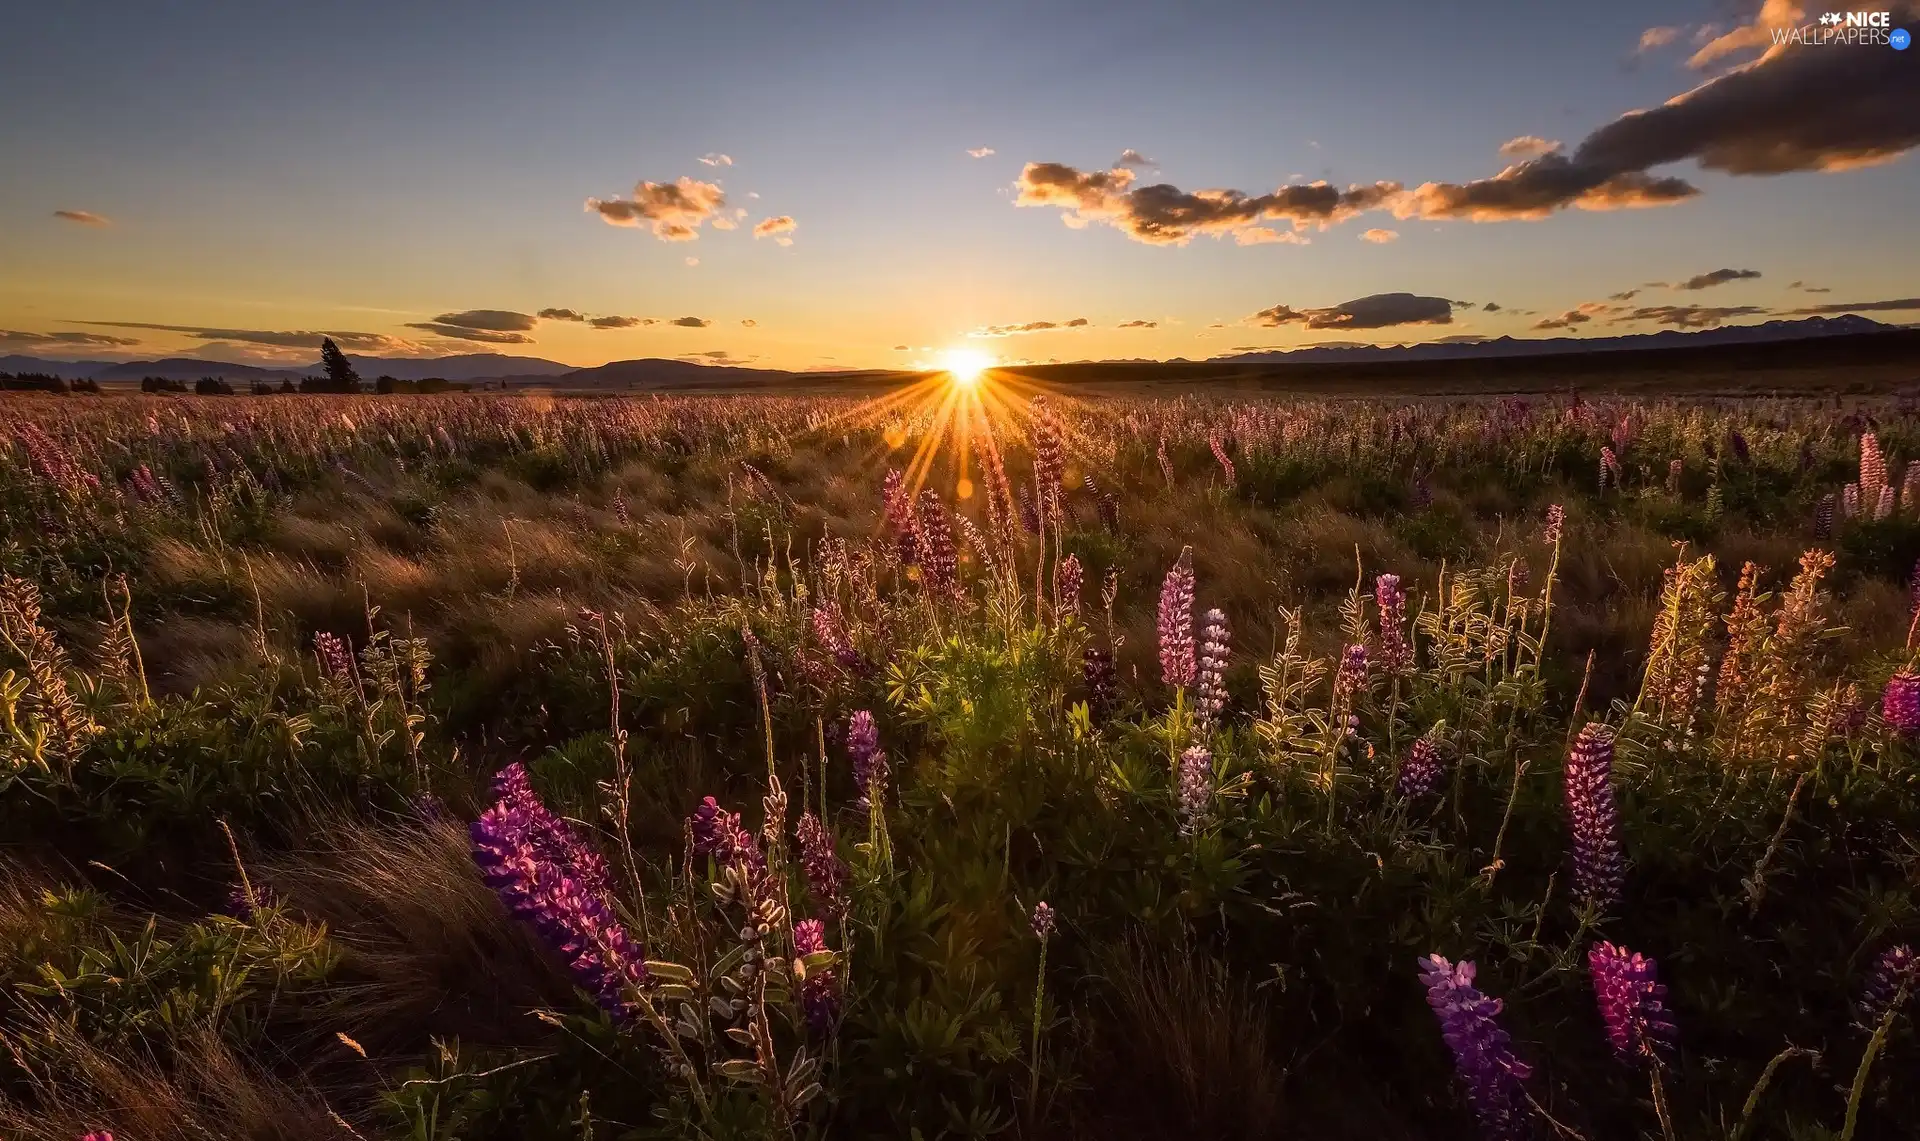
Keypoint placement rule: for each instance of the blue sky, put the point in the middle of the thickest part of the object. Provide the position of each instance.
(366, 168)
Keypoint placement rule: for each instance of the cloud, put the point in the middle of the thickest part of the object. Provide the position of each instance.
(1895, 306)
(1805, 288)
(1134, 158)
(1536, 188)
(748, 323)
(722, 222)
(485, 336)
(1491, 307)
(712, 159)
(901, 349)
(1163, 214)
(1379, 237)
(488, 320)
(1138, 325)
(1687, 316)
(16, 340)
(1624, 295)
(379, 344)
(771, 227)
(1581, 315)
(690, 322)
(1261, 236)
(1461, 339)
(1717, 277)
(1780, 14)
(1377, 311)
(675, 210)
(84, 217)
(717, 356)
(980, 152)
(559, 315)
(1529, 146)
(616, 322)
(1657, 38)
(1029, 327)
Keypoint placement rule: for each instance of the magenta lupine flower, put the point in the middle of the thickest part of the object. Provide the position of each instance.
(1043, 921)
(243, 905)
(1900, 703)
(1067, 579)
(1883, 506)
(620, 511)
(820, 990)
(1351, 678)
(869, 763)
(1049, 457)
(1556, 522)
(1196, 787)
(826, 873)
(898, 503)
(1422, 771)
(1220, 454)
(1029, 515)
(1396, 655)
(98, 1135)
(1178, 666)
(1210, 694)
(578, 923)
(1594, 819)
(336, 661)
(830, 630)
(557, 840)
(1632, 1003)
(938, 558)
(1897, 968)
(1609, 469)
(1492, 1073)
(719, 833)
(1096, 668)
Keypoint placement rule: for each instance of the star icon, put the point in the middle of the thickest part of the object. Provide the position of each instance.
(1830, 18)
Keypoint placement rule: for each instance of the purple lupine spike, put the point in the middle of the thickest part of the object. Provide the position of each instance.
(1396, 655)
(1895, 969)
(1351, 678)
(1196, 787)
(334, 657)
(1067, 579)
(1049, 458)
(1556, 524)
(1220, 453)
(97, 1135)
(1632, 1002)
(1210, 694)
(1594, 819)
(1043, 921)
(1178, 666)
(1422, 771)
(557, 840)
(830, 630)
(869, 763)
(1913, 581)
(826, 873)
(1096, 667)
(939, 558)
(1483, 1055)
(820, 990)
(244, 905)
(1823, 517)
(1900, 703)
(898, 505)
(719, 833)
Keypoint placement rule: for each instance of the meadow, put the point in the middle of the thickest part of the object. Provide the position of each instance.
(958, 763)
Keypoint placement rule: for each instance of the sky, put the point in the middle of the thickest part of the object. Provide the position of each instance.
(878, 185)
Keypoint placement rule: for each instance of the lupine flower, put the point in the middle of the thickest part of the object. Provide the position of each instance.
(830, 630)
(1220, 453)
(1556, 522)
(1883, 505)
(1609, 469)
(1896, 968)
(898, 502)
(1422, 771)
(719, 833)
(1351, 678)
(556, 840)
(1913, 586)
(826, 873)
(577, 922)
(97, 1135)
(1196, 786)
(1850, 500)
(620, 508)
(1043, 921)
(1823, 517)
(335, 659)
(1396, 655)
(1873, 465)
(1029, 514)
(869, 763)
(1910, 486)
(1900, 703)
(938, 557)
(1632, 1003)
(1210, 696)
(1096, 668)
(1066, 585)
(820, 990)
(1178, 666)
(1049, 457)
(1483, 1055)
(1594, 818)
(244, 905)
(1519, 578)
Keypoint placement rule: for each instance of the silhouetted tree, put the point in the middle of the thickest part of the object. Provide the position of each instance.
(340, 374)
(211, 386)
(287, 386)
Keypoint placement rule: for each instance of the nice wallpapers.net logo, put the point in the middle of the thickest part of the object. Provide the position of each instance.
(1848, 28)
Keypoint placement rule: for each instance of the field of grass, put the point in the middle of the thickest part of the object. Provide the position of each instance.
(485, 767)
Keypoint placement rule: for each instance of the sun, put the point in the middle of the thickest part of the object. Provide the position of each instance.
(965, 365)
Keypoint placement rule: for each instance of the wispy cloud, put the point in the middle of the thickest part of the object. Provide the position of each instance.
(1687, 316)
(1379, 237)
(1895, 306)
(1582, 314)
(369, 343)
(979, 152)
(84, 217)
(1528, 146)
(748, 323)
(1134, 158)
(1029, 327)
(617, 322)
(691, 262)
(675, 210)
(776, 228)
(717, 356)
(10, 339)
(559, 315)
(1138, 325)
(715, 159)
(1655, 38)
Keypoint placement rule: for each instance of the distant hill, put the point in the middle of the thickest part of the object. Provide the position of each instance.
(658, 372)
(192, 368)
(72, 370)
(1448, 348)
(466, 366)
(462, 368)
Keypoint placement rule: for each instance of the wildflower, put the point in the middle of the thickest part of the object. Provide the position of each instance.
(1351, 678)
(1850, 500)
(1396, 655)
(1049, 458)
(1823, 517)
(826, 873)
(1900, 703)
(719, 833)
(620, 509)
(1220, 453)
(1594, 818)
(819, 988)
(869, 763)
(1910, 486)
(1609, 469)
(556, 839)
(1043, 921)
(1631, 998)
(935, 537)
(335, 660)
(1422, 771)
(830, 630)
(1066, 585)
(898, 503)
(1177, 664)
(1211, 692)
(1873, 465)
(1482, 1051)
(248, 899)
(97, 1135)
(1096, 668)
(1196, 786)
(1556, 522)
(1895, 973)
(1519, 578)
(1029, 515)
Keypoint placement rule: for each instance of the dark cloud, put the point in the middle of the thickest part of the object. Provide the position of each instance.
(1687, 316)
(1894, 306)
(1624, 295)
(1805, 288)
(1378, 311)
(84, 217)
(900, 348)
(1717, 277)
(1077, 322)
(1461, 339)
(717, 356)
(675, 210)
(748, 323)
(1536, 188)
(488, 320)
(371, 343)
(612, 322)
(1584, 313)
(560, 315)
(1162, 214)
(1028, 327)
(1139, 325)
(1491, 307)
(690, 322)
(17, 340)
(462, 333)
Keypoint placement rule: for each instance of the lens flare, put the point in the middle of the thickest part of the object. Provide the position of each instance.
(965, 365)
